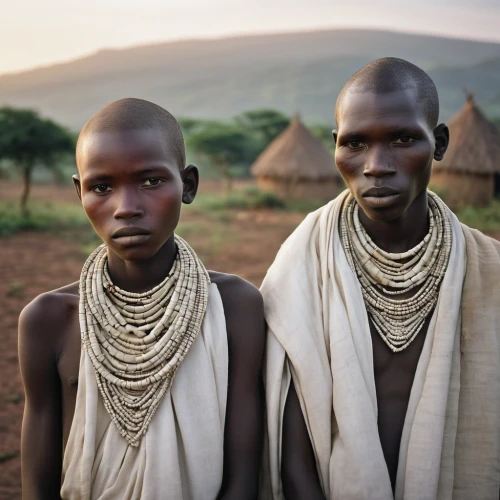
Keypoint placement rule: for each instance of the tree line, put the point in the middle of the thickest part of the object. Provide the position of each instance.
(231, 147)
(28, 140)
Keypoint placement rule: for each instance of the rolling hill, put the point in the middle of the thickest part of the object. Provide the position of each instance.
(218, 78)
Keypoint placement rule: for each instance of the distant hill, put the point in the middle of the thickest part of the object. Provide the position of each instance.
(218, 78)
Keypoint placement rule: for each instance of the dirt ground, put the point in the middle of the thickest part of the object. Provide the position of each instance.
(244, 243)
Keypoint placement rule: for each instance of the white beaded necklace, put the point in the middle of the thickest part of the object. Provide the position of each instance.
(136, 341)
(383, 275)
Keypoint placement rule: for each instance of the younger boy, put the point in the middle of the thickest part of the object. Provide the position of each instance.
(143, 380)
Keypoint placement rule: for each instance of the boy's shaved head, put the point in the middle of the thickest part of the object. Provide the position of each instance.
(390, 74)
(136, 114)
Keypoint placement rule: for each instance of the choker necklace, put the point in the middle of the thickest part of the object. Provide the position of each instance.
(136, 341)
(384, 276)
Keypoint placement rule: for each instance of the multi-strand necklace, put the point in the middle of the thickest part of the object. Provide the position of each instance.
(136, 341)
(385, 277)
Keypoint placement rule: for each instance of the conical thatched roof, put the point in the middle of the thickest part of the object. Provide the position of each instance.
(474, 143)
(295, 155)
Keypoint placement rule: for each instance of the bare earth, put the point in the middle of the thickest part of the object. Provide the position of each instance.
(244, 243)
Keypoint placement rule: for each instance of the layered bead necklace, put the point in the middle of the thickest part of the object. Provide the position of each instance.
(136, 341)
(385, 276)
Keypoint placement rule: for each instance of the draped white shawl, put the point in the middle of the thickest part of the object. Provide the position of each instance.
(181, 455)
(319, 335)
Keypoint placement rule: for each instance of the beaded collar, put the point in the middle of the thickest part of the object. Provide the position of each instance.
(384, 277)
(136, 341)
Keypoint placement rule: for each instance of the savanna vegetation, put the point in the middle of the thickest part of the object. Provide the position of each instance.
(35, 149)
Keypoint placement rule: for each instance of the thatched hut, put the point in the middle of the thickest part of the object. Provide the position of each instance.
(297, 166)
(469, 174)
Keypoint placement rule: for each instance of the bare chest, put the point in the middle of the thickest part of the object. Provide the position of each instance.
(394, 374)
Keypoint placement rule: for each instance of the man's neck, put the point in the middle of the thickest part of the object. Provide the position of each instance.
(400, 235)
(141, 276)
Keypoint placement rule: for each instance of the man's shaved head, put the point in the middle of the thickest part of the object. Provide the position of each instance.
(390, 74)
(136, 114)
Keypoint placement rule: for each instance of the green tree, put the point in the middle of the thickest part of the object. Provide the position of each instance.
(225, 146)
(266, 124)
(27, 140)
(191, 125)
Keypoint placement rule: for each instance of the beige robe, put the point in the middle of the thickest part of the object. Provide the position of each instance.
(319, 335)
(181, 455)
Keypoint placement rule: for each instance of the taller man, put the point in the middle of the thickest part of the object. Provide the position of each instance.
(383, 363)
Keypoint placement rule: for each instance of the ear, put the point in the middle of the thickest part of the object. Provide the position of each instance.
(335, 134)
(190, 179)
(441, 141)
(78, 186)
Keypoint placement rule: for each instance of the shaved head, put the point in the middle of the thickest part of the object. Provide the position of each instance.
(136, 114)
(391, 74)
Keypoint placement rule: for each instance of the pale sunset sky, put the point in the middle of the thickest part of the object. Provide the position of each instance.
(38, 33)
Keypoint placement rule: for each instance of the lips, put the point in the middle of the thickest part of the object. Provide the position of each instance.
(380, 192)
(125, 232)
(380, 197)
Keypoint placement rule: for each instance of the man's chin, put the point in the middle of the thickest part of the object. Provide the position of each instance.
(384, 213)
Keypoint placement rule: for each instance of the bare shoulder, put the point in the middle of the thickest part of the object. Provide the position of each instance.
(236, 292)
(244, 313)
(46, 316)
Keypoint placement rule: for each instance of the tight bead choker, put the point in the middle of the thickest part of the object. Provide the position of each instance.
(385, 276)
(137, 341)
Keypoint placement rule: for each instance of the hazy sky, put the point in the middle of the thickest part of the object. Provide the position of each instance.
(36, 33)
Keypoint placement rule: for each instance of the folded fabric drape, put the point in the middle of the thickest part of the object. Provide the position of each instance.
(181, 455)
(319, 336)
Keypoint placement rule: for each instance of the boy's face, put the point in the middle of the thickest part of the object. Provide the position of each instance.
(384, 150)
(131, 189)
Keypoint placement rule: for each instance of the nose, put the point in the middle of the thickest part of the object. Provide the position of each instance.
(378, 163)
(128, 204)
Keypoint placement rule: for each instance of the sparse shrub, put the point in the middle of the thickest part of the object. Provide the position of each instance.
(16, 290)
(268, 200)
(305, 206)
(485, 219)
(42, 217)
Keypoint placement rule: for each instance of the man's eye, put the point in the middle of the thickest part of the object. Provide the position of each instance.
(354, 144)
(152, 182)
(405, 139)
(102, 188)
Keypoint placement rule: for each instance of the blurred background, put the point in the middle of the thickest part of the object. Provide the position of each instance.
(253, 85)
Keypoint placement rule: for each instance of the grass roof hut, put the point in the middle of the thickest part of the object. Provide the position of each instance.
(469, 174)
(297, 166)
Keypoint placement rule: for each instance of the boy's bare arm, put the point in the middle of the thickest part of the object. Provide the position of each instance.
(244, 314)
(298, 465)
(41, 440)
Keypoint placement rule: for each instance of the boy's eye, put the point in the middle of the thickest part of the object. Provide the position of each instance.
(152, 182)
(405, 139)
(102, 188)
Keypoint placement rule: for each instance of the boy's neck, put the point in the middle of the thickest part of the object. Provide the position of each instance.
(141, 276)
(400, 235)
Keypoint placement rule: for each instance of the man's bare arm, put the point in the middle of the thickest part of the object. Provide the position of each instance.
(298, 465)
(41, 440)
(243, 435)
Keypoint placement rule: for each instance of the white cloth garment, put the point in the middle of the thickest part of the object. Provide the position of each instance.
(181, 455)
(318, 334)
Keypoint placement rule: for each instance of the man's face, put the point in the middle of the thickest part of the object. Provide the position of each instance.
(384, 150)
(131, 190)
